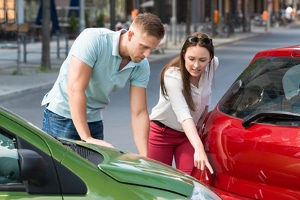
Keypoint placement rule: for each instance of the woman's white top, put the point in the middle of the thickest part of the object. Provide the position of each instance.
(174, 110)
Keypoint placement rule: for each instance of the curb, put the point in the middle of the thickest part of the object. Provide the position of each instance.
(20, 92)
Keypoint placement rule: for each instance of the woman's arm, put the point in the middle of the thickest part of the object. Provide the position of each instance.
(200, 157)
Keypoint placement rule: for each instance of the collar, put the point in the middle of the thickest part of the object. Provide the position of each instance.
(116, 42)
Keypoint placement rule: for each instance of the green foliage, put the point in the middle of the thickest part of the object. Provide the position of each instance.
(100, 20)
(86, 19)
(73, 21)
(42, 68)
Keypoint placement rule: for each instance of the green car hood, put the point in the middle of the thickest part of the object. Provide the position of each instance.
(134, 169)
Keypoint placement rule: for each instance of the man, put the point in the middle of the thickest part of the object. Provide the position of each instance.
(101, 61)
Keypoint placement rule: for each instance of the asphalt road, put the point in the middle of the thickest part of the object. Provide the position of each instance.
(233, 59)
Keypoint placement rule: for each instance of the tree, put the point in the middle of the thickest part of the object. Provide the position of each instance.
(73, 22)
(45, 60)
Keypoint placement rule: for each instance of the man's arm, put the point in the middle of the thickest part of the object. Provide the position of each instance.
(139, 118)
(78, 79)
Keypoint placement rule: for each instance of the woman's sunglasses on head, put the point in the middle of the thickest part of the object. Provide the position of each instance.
(196, 40)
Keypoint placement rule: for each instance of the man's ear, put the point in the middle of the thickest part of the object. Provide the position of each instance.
(130, 34)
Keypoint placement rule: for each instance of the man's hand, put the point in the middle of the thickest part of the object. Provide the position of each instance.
(98, 142)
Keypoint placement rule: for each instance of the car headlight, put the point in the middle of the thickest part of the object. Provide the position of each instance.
(201, 192)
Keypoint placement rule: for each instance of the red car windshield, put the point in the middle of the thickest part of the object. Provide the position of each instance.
(268, 85)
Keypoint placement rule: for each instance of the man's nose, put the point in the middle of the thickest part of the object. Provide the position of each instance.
(147, 53)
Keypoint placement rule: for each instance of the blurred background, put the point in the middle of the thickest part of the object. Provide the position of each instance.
(217, 17)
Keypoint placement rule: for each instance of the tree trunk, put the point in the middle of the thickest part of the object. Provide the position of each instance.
(45, 61)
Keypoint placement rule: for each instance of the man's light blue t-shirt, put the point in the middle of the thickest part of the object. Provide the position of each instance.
(98, 48)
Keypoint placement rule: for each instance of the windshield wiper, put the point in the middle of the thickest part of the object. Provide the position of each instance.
(286, 116)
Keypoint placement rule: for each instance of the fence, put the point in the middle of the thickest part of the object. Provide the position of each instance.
(25, 44)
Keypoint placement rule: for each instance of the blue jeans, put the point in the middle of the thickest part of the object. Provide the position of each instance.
(59, 126)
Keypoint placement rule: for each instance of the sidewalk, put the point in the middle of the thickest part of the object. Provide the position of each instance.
(31, 78)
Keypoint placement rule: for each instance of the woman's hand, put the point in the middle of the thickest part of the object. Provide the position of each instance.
(201, 160)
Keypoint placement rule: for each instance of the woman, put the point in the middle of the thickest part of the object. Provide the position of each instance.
(185, 91)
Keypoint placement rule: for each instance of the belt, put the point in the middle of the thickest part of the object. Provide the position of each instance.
(158, 123)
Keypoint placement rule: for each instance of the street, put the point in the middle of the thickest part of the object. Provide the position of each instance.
(233, 59)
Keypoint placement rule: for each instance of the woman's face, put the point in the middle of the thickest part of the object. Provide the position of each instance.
(196, 59)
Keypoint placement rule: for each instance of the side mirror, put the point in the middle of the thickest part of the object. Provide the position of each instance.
(32, 167)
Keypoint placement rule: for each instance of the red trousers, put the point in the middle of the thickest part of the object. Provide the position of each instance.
(166, 143)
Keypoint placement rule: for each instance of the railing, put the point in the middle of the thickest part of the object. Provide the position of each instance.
(19, 36)
(25, 39)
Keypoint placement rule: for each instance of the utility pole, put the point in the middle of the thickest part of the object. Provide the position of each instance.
(173, 22)
(212, 18)
(269, 13)
(112, 15)
(137, 4)
(82, 13)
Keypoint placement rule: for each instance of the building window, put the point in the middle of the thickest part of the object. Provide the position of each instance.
(7, 11)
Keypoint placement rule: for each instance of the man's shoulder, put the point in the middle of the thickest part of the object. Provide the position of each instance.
(96, 36)
(98, 31)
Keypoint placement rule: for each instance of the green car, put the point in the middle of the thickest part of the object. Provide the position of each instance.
(33, 165)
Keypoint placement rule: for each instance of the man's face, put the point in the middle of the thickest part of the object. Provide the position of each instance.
(140, 45)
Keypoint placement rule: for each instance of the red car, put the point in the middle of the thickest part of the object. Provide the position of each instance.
(252, 136)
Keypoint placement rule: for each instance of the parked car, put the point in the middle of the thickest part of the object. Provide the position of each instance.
(252, 136)
(34, 165)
